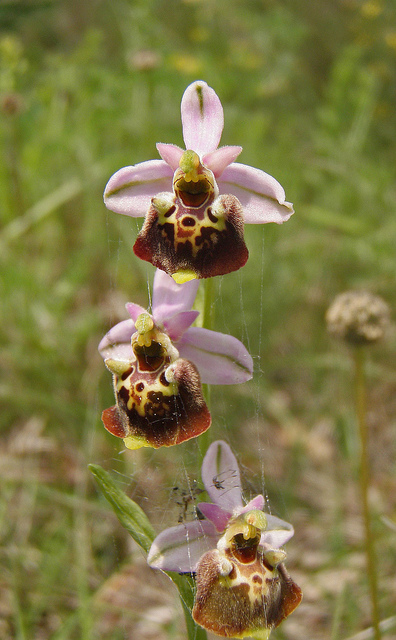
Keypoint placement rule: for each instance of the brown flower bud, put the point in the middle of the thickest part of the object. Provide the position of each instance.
(358, 317)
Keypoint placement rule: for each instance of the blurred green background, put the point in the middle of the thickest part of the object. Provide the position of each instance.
(86, 87)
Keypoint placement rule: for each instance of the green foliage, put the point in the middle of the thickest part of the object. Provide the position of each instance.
(88, 87)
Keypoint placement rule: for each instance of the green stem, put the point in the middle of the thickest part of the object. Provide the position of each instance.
(206, 322)
(208, 307)
(205, 306)
(14, 166)
(361, 412)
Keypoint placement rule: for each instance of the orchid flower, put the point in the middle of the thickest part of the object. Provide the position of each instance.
(196, 201)
(243, 588)
(158, 362)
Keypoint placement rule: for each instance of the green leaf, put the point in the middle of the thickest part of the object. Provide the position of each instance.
(186, 587)
(135, 521)
(131, 516)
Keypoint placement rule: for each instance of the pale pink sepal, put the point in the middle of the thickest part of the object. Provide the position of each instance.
(215, 514)
(256, 503)
(277, 533)
(170, 153)
(179, 323)
(129, 191)
(219, 159)
(134, 310)
(170, 298)
(180, 548)
(202, 118)
(116, 343)
(220, 475)
(261, 196)
(220, 358)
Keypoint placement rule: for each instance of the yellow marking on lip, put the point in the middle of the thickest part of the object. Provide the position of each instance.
(195, 232)
(136, 442)
(139, 400)
(184, 275)
(117, 366)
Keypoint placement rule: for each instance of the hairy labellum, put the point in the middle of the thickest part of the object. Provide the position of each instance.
(240, 593)
(205, 241)
(158, 394)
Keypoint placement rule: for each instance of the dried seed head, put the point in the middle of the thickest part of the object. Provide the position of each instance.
(358, 317)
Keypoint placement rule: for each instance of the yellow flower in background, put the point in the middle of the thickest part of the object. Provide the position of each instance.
(371, 9)
(390, 39)
(186, 63)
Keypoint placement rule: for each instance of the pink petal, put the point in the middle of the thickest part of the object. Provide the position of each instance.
(215, 514)
(202, 118)
(262, 197)
(179, 323)
(278, 532)
(220, 358)
(134, 310)
(129, 191)
(170, 153)
(256, 503)
(220, 475)
(219, 159)
(116, 343)
(180, 548)
(170, 298)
